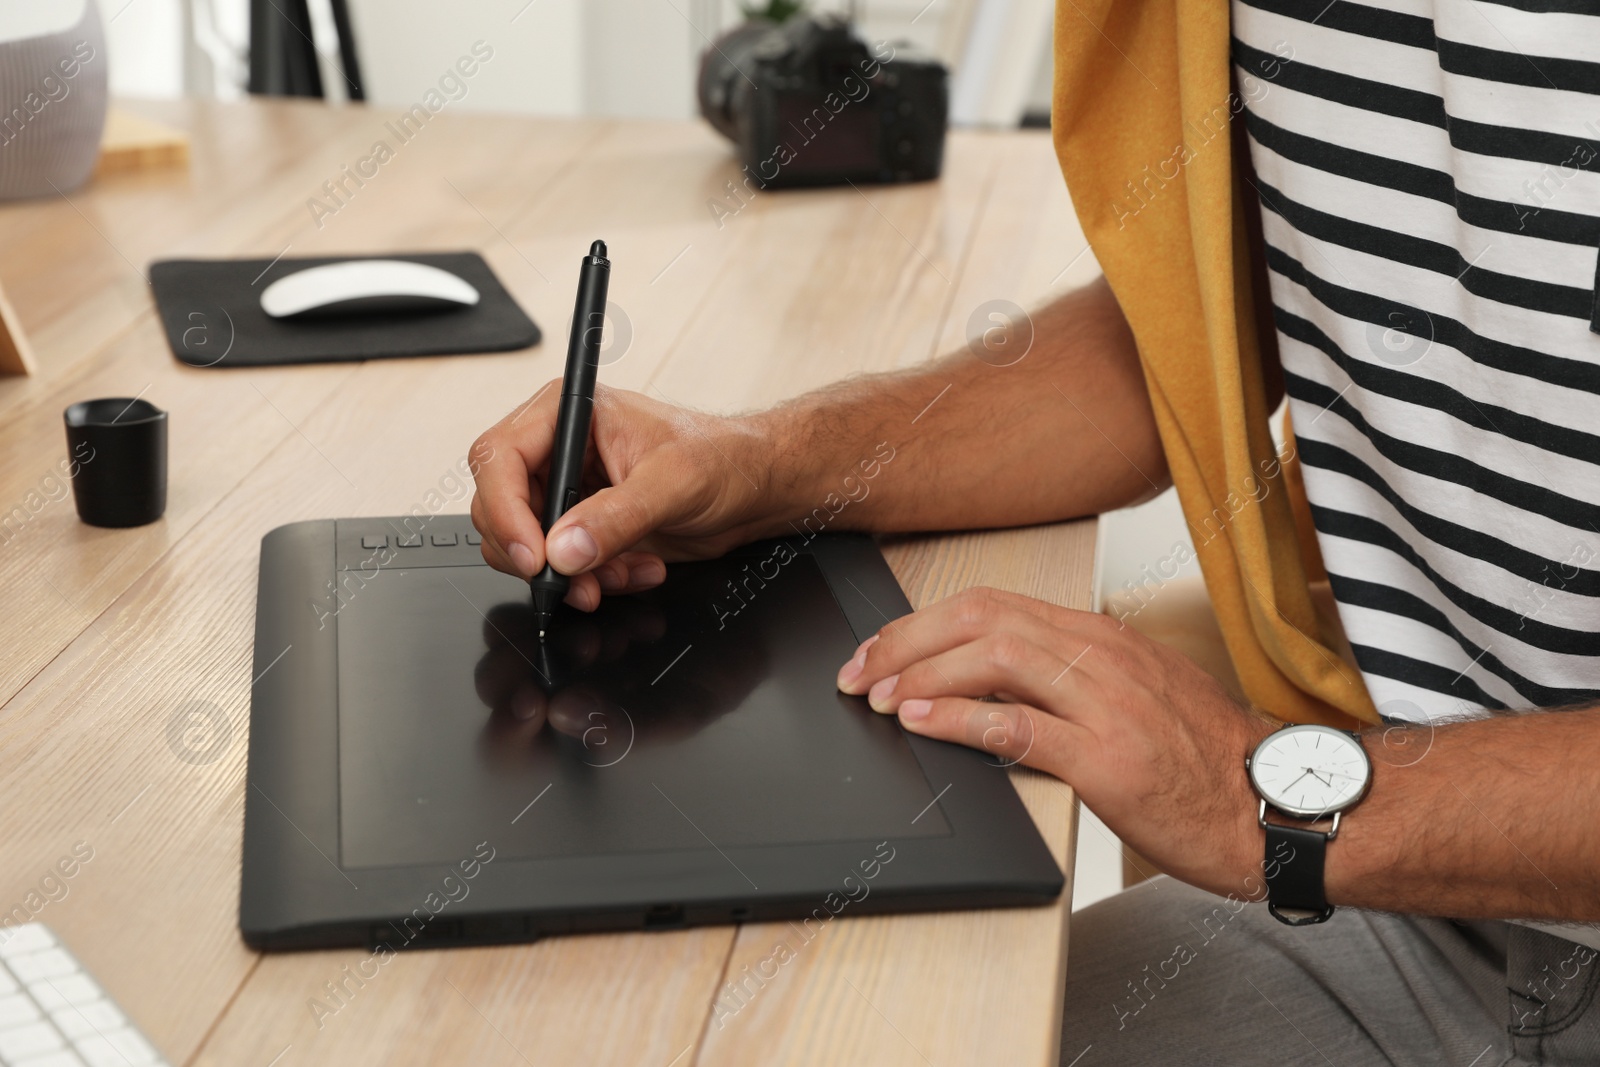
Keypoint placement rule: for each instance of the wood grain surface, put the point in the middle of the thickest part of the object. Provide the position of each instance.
(16, 354)
(114, 637)
(132, 142)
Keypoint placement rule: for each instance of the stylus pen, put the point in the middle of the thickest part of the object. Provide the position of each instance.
(572, 419)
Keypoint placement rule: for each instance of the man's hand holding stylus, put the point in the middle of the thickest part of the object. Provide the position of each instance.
(661, 483)
(975, 445)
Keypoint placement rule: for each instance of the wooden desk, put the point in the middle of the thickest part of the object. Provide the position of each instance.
(111, 634)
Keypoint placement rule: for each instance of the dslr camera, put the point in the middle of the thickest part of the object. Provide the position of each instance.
(807, 102)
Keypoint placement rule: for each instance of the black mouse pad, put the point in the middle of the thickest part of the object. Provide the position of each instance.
(211, 309)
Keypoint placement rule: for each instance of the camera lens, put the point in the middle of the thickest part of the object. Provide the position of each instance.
(722, 68)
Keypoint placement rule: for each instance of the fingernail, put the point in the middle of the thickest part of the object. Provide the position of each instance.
(521, 558)
(858, 663)
(878, 696)
(526, 705)
(915, 710)
(647, 575)
(572, 549)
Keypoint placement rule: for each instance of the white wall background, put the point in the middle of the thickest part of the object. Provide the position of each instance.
(635, 58)
(144, 45)
(538, 63)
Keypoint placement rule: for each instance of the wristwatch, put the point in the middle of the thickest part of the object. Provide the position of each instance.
(1307, 774)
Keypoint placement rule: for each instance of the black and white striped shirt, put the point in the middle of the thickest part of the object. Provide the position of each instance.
(1429, 179)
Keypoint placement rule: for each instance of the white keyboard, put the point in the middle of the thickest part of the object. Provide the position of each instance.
(53, 1014)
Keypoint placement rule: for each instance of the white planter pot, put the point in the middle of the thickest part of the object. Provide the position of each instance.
(52, 95)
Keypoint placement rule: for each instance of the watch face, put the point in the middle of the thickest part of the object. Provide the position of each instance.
(1310, 771)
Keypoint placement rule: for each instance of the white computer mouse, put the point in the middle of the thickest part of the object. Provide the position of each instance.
(365, 287)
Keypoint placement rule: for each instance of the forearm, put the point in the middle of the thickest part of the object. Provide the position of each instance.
(1485, 819)
(1065, 431)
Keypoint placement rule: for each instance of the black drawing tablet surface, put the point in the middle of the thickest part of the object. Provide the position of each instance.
(680, 756)
(211, 311)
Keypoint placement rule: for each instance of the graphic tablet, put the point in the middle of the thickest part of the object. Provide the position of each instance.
(423, 768)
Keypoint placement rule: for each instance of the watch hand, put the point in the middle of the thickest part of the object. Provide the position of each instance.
(1302, 774)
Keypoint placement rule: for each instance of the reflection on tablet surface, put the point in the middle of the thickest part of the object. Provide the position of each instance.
(576, 683)
(662, 721)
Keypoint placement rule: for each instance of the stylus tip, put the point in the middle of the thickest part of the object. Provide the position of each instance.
(545, 600)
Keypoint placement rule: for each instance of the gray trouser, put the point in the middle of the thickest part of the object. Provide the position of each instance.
(1168, 974)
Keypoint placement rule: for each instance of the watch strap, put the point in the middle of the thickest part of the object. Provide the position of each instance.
(1294, 872)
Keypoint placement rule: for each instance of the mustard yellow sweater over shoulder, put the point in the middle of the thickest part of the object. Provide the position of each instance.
(1146, 125)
